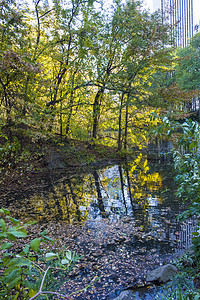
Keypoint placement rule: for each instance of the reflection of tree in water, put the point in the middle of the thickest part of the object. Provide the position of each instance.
(122, 187)
(66, 201)
(99, 194)
(142, 186)
(121, 190)
(115, 192)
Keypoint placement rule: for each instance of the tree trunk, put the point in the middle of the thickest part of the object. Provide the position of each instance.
(8, 114)
(129, 184)
(199, 105)
(59, 80)
(68, 121)
(120, 124)
(69, 115)
(71, 101)
(61, 120)
(126, 124)
(96, 112)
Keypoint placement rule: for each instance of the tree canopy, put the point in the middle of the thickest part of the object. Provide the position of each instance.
(80, 69)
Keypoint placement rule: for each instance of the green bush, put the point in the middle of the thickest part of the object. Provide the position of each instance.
(31, 272)
(186, 159)
(181, 288)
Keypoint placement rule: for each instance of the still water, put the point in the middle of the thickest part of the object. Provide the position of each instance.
(121, 217)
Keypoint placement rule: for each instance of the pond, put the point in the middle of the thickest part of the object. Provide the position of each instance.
(120, 217)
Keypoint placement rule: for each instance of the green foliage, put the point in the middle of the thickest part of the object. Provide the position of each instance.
(183, 291)
(186, 164)
(25, 272)
(187, 66)
(182, 286)
(64, 67)
(186, 157)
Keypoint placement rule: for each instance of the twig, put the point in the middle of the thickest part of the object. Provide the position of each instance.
(48, 292)
(41, 286)
(40, 292)
(86, 287)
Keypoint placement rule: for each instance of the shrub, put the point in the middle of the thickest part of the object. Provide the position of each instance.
(26, 273)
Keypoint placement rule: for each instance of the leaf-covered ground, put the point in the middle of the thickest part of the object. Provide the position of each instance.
(116, 256)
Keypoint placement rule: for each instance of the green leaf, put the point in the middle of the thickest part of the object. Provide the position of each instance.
(35, 244)
(13, 283)
(195, 233)
(13, 220)
(3, 225)
(31, 293)
(6, 245)
(43, 232)
(50, 256)
(25, 250)
(17, 233)
(5, 211)
(3, 235)
(69, 255)
(48, 239)
(64, 261)
(11, 276)
(17, 261)
(31, 223)
(11, 237)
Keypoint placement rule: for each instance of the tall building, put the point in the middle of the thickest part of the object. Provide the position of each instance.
(180, 13)
(159, 4)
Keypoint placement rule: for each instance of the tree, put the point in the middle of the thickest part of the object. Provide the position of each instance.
(144, 38)
(188, 65)
(187, 69)
(73, 68)
(14, 61)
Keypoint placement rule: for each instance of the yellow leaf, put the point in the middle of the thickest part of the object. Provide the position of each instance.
(31, 293)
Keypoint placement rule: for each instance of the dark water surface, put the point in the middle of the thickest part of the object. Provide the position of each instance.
(121, 218)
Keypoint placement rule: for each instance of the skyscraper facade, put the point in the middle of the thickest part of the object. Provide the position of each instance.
(181, 14)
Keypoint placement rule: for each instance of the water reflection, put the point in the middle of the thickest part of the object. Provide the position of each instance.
(134, 190)
(128, 190)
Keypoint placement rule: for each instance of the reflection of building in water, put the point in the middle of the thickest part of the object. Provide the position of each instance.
(122, 191)
(168, 228)
(185, 234)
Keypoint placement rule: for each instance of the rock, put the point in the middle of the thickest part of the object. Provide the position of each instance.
(125, 295)
(162, 274)
(55, 162)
